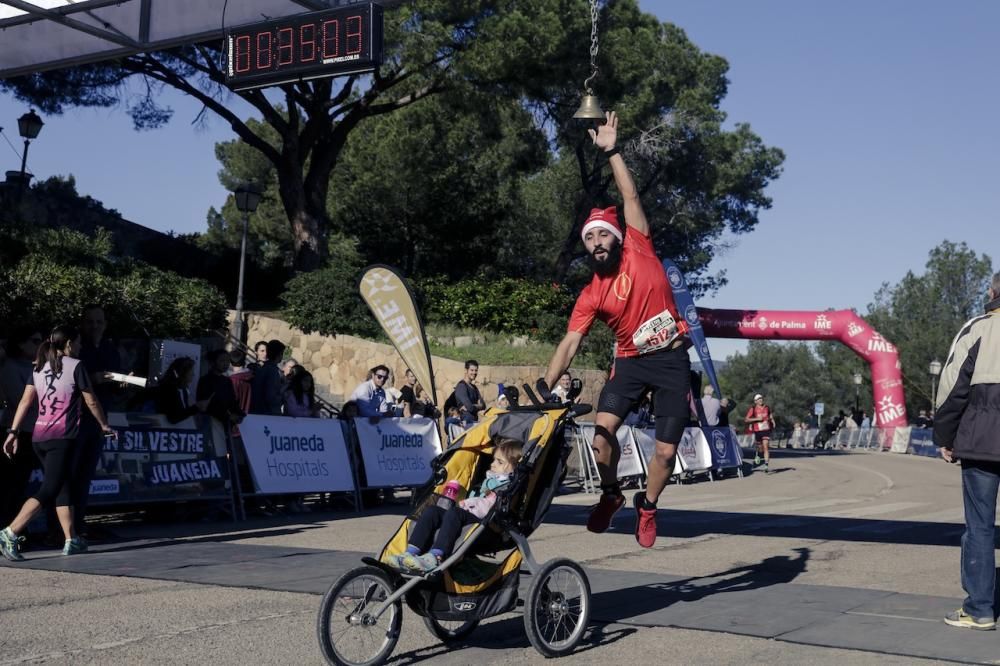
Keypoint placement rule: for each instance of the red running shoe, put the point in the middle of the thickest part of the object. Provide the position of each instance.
(602, 512)
(645, 522)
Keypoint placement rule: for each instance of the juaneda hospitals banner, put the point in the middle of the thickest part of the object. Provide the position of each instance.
(397, 452)
(294, 455)
(391, 302)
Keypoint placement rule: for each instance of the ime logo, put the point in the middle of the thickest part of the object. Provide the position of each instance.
(822, 323)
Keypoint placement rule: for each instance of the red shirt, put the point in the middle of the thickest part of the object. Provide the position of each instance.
(637, 304)
(760, 412)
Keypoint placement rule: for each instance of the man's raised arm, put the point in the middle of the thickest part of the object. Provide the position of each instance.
(605, 138)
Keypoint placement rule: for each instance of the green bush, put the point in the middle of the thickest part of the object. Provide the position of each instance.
(504, 305)
(58, 272)
(327, 301)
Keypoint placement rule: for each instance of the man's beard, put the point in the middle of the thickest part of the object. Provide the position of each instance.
(609, 265)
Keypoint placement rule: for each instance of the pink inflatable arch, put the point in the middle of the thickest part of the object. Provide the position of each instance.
(842, 325)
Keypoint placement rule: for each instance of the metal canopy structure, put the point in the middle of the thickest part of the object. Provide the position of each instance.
(38, 35)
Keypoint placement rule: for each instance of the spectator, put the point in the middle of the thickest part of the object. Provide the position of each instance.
(849, 423)
(710, 405)
(300, 396)
(453, 424)
(15, 374)
(260, 350)
(241, 378)
(562, 387)
(349, 410)
(727, 406)
(370, 395)
(866, 422)
(60, 387)
(287, 367)
(216, 389)
(922, 421)
(267, 388)
(407, 393)
(421, 405)
(173, 396)
(100, 356)
(470, 401)
(393, 395)
(967, 429)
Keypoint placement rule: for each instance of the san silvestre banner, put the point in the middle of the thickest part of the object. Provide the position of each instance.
(840, 325)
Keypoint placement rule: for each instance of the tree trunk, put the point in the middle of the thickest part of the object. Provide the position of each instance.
(305, 207)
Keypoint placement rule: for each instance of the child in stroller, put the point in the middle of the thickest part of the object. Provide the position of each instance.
(449, 521)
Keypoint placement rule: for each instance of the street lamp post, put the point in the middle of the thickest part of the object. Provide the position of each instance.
(935, 371)
(247, 197)
(857, 391)
(28, 126)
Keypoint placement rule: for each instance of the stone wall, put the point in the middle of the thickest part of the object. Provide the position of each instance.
(340, 363)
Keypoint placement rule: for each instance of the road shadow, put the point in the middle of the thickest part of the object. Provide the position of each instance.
(689, 523)
(509, 634)
(632, 602)
(611, 607)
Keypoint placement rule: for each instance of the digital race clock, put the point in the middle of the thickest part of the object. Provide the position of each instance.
(346, 40)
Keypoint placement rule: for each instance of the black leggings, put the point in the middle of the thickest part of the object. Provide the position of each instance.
(451, 521)
(57, 464)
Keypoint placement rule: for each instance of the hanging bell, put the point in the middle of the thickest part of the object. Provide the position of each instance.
(590, 109)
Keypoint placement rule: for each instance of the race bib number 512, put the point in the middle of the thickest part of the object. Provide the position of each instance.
(657, 333)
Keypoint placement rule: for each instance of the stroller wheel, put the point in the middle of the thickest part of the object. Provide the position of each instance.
(355, 627)
(450, 630)
(557, 608)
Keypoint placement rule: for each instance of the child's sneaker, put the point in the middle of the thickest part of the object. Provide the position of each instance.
(426, 563)
(396, 561)
(74, 546)
(409, 562)
(10, 545)
(756, 461)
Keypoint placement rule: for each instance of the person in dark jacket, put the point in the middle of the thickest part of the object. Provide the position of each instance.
(967, 428)
(173, 395)
(216, 388)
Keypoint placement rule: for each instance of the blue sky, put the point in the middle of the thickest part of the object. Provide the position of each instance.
(887, 112)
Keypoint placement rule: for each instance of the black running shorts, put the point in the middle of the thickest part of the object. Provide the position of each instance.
(667, 372)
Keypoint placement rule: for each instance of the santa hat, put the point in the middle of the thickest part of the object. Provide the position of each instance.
(602, 218)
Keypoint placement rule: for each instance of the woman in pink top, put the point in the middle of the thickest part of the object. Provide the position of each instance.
(61, 386)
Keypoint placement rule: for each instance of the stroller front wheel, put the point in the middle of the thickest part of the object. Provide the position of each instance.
(355, 627)
(450, 631)
(557, 609)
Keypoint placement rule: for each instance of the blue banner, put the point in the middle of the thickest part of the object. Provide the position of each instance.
(725, 448)
(686, 308)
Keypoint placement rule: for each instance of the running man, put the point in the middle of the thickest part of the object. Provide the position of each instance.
(761, 421)
(630, 293)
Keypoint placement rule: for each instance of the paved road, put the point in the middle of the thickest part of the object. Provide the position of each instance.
(831, 559)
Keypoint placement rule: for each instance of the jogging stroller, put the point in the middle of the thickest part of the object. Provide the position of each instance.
(361, 615)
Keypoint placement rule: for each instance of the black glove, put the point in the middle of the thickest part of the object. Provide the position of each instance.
(543, 390)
